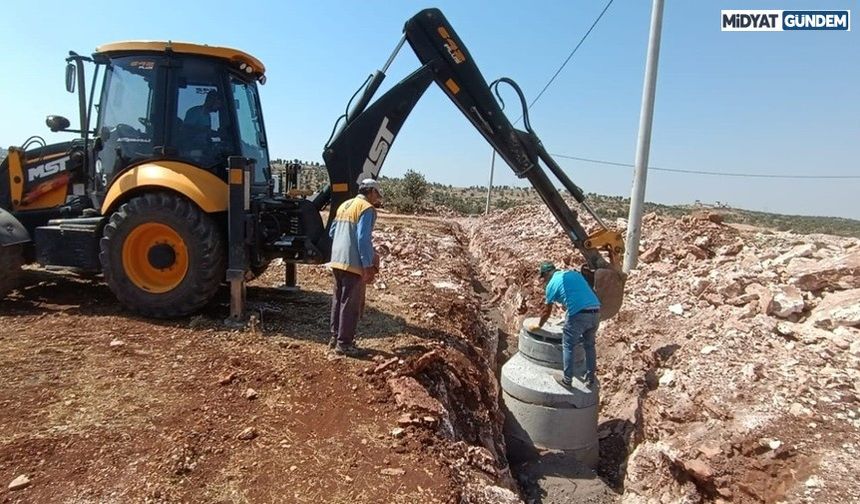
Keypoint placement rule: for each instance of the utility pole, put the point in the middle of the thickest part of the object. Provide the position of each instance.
(490, 187)
(643, 143)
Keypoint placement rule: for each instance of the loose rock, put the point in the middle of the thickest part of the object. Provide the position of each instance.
(786, 301)
(247, 434)
(677, 309)
(20, 482)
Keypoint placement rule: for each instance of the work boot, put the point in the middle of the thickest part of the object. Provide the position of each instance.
(349, 350)
(588, 380)
(332, 342)
(564, 382)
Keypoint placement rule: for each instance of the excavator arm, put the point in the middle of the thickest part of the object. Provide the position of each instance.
(358, 147)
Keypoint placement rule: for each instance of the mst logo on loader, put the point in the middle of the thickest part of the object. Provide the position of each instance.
(452, 47)
(378, 151)
(46, 170)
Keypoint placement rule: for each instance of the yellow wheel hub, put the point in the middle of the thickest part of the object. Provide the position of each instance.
(155, 257)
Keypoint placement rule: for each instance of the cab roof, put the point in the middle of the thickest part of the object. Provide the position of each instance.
(225, 53)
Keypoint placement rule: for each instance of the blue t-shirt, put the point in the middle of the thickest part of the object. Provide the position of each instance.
(570, 289)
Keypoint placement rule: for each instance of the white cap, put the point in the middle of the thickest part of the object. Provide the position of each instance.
(370, 183)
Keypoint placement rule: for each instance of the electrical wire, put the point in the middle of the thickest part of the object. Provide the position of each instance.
(670, 170)
(628, 165)
(712, 173)
(569, 56)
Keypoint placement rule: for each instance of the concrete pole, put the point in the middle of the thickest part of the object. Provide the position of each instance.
(490, 187)
(643, 144)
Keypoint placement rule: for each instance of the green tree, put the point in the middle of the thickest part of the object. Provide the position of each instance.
(407, 195)
(415, 188)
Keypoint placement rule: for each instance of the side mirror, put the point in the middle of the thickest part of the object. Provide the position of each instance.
(71, 73)
(57, 123)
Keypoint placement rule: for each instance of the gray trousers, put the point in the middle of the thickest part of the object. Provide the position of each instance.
(347, 303)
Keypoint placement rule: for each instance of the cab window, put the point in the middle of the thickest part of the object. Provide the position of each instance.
(250, 124)
(201, 133)
(127, 115)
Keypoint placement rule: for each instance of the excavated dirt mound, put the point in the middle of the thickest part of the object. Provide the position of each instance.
(98, 405)
(731, 372)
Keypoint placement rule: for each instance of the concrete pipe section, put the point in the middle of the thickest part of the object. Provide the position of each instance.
(542, 415)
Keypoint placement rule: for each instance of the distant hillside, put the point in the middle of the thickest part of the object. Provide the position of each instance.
(2, 154)
(612, 207)
(472, 200)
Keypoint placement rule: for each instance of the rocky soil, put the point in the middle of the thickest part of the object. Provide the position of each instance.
(731, 373)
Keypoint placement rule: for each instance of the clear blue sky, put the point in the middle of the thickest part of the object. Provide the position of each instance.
(743, 102)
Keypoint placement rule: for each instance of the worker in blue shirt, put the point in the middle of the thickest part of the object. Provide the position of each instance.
(570, 289)
(353, 263)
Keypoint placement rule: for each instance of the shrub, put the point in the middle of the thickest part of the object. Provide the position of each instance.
(406, 195)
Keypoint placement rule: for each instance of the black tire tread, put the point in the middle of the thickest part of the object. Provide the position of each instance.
(11, 259)
(206, 270)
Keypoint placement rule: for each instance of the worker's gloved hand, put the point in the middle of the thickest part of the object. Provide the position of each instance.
(532, 327)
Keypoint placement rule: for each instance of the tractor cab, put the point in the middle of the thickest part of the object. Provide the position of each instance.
(186, 103)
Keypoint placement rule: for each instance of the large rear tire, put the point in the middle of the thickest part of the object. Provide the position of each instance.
(162, 256)
(11, 259)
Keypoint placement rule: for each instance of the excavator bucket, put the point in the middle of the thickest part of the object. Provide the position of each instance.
(609, 287)
(608, 281)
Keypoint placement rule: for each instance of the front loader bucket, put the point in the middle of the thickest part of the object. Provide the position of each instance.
(609, 287)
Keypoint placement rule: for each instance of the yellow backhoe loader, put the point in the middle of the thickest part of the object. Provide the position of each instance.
(167, 190)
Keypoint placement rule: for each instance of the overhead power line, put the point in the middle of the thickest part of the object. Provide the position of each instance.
(713, 173)
(569, 56)
(536, 98)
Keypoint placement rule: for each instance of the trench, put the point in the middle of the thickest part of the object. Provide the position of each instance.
(554, 480)
(461, 369)
(673, 423)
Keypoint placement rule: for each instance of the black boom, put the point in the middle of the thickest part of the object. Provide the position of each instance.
(358, 149)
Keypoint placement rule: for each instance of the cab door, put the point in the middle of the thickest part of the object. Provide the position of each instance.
(201, 130)
(130, 128)
(252, 132)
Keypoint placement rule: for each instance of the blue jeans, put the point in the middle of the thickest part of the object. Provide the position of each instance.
(580, 329)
